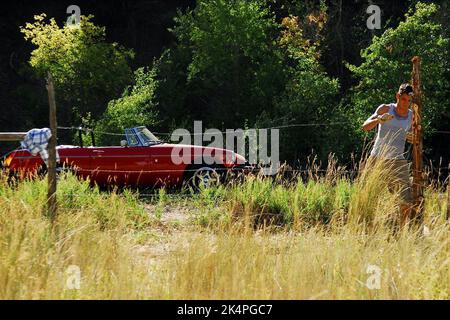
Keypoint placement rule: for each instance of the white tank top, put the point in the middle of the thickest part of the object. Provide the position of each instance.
(391, 136)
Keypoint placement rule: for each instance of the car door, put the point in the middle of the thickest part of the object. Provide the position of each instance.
(121, 166)
(76, 159)
(164, 172)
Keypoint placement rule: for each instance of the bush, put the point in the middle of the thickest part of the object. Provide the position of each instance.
(136, 107)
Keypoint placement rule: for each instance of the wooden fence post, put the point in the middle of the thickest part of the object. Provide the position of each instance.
(51, 192)
(417, 164)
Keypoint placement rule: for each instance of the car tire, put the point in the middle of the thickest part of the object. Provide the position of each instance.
(203, 176)
(13, 178)
(60, 170)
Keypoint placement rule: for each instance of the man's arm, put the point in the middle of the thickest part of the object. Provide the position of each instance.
(374, 120)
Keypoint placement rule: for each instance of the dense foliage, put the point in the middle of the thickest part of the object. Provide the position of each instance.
(235, 64)
(135, 107)
(86, 69)
(387, 63)
(225, 65)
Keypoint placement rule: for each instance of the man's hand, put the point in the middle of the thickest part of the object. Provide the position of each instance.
(385, 117)
(374, 120)
(410, 137)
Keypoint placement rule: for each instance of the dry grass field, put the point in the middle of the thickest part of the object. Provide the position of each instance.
(327, 238)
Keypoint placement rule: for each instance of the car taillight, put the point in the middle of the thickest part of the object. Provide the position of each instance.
(7, 161)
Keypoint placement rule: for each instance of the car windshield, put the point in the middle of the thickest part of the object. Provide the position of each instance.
(147, 137)
(140, 136)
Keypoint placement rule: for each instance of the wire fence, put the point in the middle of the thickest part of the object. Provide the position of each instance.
(437, 170)
(295, 125)
(88, 130)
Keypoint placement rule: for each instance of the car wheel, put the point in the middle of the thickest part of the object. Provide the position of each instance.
(60, 170)
(13, 178)
(205, 177)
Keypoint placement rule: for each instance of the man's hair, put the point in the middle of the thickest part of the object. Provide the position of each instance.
(406, 88)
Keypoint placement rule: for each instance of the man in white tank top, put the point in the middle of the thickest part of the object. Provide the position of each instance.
(394, 124)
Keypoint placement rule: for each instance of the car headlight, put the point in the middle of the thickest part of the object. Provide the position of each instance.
(229, 158)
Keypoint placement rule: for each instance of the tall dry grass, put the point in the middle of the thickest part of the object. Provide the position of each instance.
(93, 231)
(314, 264)
(260, 239)
(330, 234)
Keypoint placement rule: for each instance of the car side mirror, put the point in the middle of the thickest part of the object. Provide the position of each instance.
(123, 143)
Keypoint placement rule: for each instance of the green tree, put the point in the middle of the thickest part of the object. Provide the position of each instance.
(136, 107)
(310, 96)
(87, 70)
(234, 64)
(387, 64)
(224, 62)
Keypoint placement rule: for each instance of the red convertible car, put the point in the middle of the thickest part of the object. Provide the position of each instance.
(141, 161)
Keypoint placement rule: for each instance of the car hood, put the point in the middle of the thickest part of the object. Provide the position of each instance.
(233, 155)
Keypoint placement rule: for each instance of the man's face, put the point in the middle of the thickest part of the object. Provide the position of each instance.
(404, 100)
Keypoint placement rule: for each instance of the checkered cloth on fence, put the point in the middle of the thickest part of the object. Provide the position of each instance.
(36, 141)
